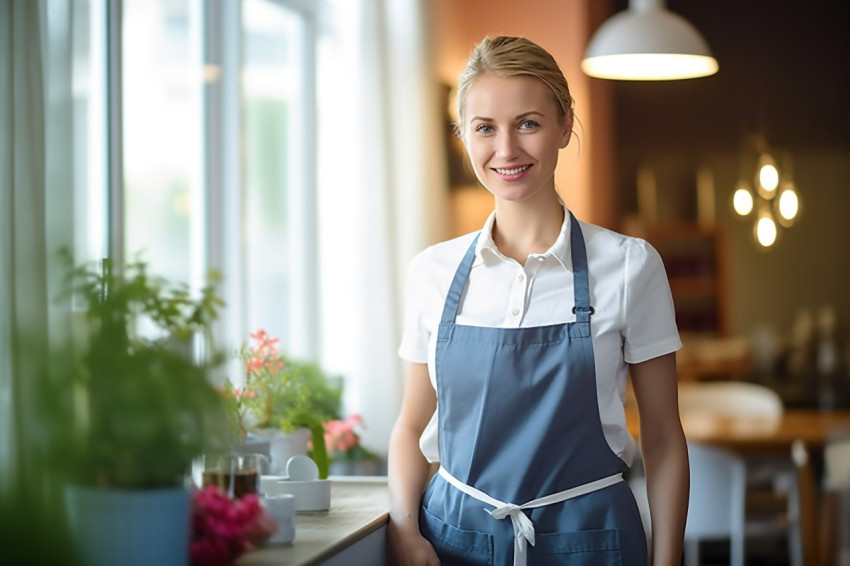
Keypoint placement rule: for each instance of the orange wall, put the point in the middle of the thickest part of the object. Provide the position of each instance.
(563, 27)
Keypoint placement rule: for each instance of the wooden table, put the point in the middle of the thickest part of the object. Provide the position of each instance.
(753, 435)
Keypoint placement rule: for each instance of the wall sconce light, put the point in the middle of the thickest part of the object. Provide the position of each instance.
(648, 43)
(774, 200)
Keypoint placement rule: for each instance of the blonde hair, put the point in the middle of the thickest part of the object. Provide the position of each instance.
(506, 56)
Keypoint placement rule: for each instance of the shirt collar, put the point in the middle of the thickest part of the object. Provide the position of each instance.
(486, 248)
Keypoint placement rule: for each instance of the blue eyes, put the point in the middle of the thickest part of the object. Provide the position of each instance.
(487, 129)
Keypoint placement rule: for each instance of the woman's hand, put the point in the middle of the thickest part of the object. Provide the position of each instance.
(409, 472)
(409, 548)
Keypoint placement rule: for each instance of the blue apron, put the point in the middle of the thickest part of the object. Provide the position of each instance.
(526, 473)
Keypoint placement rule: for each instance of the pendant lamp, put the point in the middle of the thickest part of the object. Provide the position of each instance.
(766, 190)
(647, 42)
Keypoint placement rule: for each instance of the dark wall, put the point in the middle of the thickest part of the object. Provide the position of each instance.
(785, 74)
(784, 70)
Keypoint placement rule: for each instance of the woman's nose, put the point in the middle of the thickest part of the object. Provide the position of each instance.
(506, 145)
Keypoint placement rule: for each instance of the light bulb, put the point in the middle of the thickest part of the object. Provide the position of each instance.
(742, 201)
(765, 230)
(788, 204)
(767, 177)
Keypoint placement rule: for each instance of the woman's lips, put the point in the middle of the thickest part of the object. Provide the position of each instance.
(511, 173)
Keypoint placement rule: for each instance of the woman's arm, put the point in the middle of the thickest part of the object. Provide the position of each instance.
(408, 471)
(665, 455)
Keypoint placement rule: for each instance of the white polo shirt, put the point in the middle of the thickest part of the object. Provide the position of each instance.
(633, 320)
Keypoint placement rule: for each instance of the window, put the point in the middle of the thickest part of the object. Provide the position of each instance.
(215, 119)
(161, 121)
(278, 134)
(199, 151)
(88, 68)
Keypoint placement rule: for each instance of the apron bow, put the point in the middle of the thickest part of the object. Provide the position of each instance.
(523, 528)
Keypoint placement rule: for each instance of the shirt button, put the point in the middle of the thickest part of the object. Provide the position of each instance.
(515, 311)
(520, 277)
(540, 258)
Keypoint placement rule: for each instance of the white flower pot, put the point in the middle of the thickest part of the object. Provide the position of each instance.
(283, 446)
(130, 527)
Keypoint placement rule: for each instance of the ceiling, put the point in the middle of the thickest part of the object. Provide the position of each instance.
(784, 72)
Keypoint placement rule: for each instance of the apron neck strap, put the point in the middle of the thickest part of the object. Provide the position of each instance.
(581, 283)
(450, 307)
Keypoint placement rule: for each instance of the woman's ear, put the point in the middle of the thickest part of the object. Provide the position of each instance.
(567, 132)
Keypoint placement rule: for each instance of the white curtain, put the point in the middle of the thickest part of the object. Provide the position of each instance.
(36, 202)
(382, 191)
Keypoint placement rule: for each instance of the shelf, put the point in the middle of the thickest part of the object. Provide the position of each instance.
(693, 286)
(695, 260)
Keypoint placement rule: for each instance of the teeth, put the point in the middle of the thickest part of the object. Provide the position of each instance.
(512, 171)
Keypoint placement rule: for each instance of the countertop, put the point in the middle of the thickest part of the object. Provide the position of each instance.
(359, 506)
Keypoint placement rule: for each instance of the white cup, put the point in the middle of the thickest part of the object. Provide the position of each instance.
(281, 508)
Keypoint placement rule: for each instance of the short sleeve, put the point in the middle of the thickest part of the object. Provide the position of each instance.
(649, 315)
(415, 333)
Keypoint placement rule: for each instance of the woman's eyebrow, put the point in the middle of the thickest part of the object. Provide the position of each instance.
(518, 117)
(529, 113)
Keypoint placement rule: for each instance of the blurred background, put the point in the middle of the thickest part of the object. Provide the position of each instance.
(304, 149)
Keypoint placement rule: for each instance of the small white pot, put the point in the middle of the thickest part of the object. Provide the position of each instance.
(313, 495)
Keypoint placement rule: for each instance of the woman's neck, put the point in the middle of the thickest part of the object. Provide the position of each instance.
(524, 228)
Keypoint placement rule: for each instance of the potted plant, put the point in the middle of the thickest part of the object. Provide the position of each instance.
(283, 396)
(144, 408)
(347, 454)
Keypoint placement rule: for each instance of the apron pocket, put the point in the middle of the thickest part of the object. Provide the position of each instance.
(456, 546)
(582, 548)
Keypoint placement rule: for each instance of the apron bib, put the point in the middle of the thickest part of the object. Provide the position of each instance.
(526, 473)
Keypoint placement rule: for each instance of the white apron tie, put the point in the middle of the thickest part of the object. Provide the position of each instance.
(523, 527)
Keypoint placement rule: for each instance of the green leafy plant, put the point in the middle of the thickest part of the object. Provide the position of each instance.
(144, 402)
(283, 393)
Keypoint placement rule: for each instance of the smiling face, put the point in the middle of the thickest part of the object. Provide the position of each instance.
(513, 131)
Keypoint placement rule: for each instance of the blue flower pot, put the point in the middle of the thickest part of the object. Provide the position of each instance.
(130, 527)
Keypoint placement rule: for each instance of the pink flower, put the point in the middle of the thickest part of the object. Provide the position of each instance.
(224, 529)
(341, 436)
(254, 365)
(265, 344)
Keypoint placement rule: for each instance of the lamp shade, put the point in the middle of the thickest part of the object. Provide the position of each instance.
(648, 43)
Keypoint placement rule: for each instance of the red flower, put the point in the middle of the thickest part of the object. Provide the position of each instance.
(224, 529)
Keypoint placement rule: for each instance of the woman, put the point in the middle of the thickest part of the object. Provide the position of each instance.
(521, 338)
